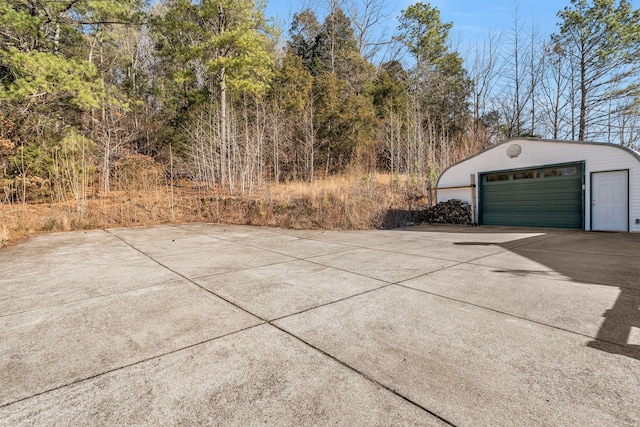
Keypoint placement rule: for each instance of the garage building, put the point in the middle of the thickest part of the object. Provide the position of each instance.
(548, 183)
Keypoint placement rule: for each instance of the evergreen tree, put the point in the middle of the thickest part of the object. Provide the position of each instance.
(302, 37)
(207, 48)
(50, 80)
(602, 39)
(439, 87)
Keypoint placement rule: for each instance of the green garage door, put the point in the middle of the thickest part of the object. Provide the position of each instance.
(541, 197)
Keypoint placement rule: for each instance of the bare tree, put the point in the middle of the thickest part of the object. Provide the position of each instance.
(517, 90)
(366, 18)
(555, 94)
(485, 71)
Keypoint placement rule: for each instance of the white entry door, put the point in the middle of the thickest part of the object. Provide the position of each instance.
(610, 201)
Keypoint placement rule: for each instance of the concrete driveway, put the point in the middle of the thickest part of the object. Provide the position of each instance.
(204, 324)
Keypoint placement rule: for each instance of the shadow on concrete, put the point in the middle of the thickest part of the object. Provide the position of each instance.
(475, 244)
(618, 325)
(524, 273)
(395, 218)
(611, 259)
(599, 267)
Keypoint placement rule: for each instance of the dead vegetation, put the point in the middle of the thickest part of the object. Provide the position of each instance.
(350, 201)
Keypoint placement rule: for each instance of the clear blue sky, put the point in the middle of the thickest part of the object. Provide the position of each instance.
(472, 19)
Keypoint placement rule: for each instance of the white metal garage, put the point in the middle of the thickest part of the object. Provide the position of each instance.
(549, 183)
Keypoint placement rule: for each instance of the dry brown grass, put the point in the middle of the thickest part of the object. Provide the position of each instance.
(354, 201)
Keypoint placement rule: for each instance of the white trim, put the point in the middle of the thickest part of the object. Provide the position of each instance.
(624, 225)
(537, 153)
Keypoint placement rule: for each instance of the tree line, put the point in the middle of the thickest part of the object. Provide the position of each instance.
(213, 91)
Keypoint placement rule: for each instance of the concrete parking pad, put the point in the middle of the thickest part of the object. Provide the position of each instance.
(541, 295)
(435, 248)
(220, 259)
(297, 247)
(172, 241)
(81, 247)
(48, 348)
(383, 265)
(283, 289)
(615, 270)
(206, 324)
(470, 365)
(62, 283)
(259, 376)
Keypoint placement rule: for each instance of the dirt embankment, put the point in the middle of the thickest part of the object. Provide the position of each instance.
(339, 203)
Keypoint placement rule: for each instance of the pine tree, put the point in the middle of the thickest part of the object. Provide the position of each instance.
(602, 39)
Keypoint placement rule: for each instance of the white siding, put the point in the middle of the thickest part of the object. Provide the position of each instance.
(596, 157)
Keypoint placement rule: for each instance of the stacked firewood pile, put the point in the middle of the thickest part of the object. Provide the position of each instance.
(449, 212)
